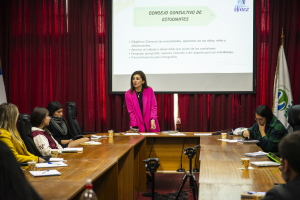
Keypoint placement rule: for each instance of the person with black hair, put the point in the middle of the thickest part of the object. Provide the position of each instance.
(141, 105)
(41, 136)
(13, 184)
(289, 150)
(59, 127)
(267, 129)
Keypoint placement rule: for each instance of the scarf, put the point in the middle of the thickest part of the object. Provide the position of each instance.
(59, 124)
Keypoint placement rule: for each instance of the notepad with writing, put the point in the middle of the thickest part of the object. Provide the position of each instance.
(72, 150)
(45, 173)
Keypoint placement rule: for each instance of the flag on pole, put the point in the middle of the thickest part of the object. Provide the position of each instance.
(2, 88)
(283, 97)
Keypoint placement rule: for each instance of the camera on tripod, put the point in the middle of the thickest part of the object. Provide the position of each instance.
(151, 164)
(190, 152)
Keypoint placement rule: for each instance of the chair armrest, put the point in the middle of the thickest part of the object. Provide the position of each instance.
(23, 164)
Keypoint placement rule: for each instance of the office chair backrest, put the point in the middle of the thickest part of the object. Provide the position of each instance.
(294, 117)
(71, 114)
(24, 127)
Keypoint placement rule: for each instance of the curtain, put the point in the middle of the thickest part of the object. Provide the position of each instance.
(51, 51)
(35, 52)
(213, 112)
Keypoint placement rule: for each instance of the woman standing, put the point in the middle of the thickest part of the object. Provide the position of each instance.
(141, 105)
(10, 136)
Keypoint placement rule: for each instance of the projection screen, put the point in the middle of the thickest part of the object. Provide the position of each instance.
(183, 46)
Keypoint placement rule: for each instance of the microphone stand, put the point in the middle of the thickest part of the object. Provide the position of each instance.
(181, 169)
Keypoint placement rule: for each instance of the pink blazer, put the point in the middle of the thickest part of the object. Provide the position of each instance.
(149, 110)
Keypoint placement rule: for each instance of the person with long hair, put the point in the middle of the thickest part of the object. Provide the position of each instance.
(267, 129)
(141, 104)
(58, 127)
(13, 184)
(10, 136)
(41, 136)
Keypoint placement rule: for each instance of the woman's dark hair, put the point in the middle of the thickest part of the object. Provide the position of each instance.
(37, 116)
(13, 184)
(53, 106)
(143, 76)
(264, 111)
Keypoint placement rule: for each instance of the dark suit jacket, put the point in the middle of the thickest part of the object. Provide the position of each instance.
(289, 191)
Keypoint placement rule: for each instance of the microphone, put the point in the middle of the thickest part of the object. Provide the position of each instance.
(181, 169)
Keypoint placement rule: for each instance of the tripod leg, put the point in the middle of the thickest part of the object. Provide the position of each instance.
(195, 187)
(153, 185)
(181, 187)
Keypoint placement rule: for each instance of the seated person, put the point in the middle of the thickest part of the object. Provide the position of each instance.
(42, 138)
(58, 126)
(13, 184)
(268, 129)
(10, 136)
(289, 150)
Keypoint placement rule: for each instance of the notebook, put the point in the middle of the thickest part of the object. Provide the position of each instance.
(72, 150)
(45, 173)
(265, 163)
(257, 154)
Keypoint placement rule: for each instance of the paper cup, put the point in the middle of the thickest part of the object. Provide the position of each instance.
(110, 133)
(245, 163)
(31, 166)
(258, 196)
(224, 136)
(54, 153)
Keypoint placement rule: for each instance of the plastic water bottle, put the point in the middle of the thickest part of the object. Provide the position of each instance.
(88, 194)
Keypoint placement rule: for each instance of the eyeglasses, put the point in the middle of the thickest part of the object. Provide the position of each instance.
(260, 120)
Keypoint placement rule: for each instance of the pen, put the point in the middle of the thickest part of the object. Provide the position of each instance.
(45, 171)
(49, 163)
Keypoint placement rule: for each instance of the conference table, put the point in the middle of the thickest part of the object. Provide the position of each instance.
(117, 169)
(220, 176)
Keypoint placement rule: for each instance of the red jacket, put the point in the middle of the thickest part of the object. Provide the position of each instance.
(149, 110)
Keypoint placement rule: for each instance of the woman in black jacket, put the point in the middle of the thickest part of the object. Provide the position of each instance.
(59, 128)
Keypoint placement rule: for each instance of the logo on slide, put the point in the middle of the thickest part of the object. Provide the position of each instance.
(282, 99)
(241, 6)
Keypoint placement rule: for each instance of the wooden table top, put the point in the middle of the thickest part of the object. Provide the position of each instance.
(90, 164)
(160, 134)
(220, 176)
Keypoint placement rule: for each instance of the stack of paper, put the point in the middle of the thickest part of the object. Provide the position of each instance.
(72, 150)
(257, 154)
(248, 141)
(130, 134)
(56, 160)
(177, 134)
(92, 143)
(51, 164)
(202, 134)
(265, 163)
(45, 173)
(148, 133)
(95, 137)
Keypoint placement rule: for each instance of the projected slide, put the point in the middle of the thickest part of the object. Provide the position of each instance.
(184, 45)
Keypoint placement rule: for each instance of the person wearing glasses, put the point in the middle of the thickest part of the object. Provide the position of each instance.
(267, 129)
